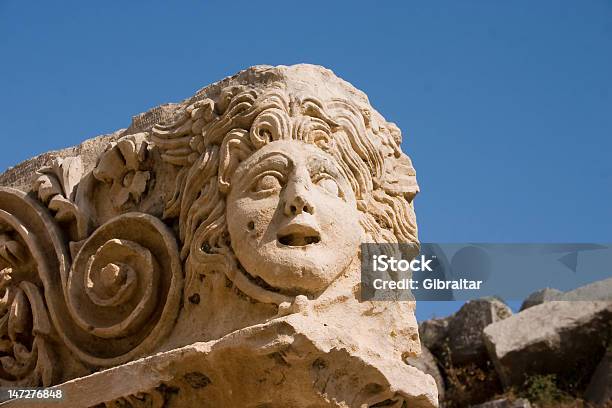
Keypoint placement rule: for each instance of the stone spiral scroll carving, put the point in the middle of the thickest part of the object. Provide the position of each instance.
(117, 300)
(26, 355)
(124, 288)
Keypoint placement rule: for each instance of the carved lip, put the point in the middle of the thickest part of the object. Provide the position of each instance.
(298, 234)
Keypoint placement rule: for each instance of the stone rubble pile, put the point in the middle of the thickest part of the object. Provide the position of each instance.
(483, 355)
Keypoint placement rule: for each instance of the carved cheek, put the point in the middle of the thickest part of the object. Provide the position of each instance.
(251, 218)
(264, 217)
(329, 205)
(340, 219)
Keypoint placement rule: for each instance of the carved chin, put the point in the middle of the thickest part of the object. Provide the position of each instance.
(295, 270)
(298, 281)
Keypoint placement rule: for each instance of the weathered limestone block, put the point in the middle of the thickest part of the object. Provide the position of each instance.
(461, 332)
(599, 290)
(457, 342)
(554, 337)
(24, 174)
(433, 332)
(210, 255)
(294, 361)
(427, 363)
(539, 297)
(466, 342)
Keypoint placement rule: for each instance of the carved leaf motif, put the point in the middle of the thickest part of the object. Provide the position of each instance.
(26, 354)
(110, 166)
(26, 359)
(66, 211)
(19, 317)
(61, 177)
(7, 298)
(56, 187)
(122, 168)
(47, 186)
(11, 252)
(133, 185)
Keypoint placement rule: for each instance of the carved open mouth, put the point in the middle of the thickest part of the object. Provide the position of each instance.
(298, 235)
(298, 240)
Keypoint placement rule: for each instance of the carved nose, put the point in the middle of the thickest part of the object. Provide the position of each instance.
(297, 201)
(298, 206)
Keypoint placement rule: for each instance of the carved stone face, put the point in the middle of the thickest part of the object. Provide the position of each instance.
(292, 217)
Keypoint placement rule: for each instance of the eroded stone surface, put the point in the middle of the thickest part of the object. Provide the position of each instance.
(433, 332)
(553, 337)
(427, 363)
(230, 222)
(539, 297)
(595, 291)
(461, 333)
(24, 174)
(465, 329)
(263, 365)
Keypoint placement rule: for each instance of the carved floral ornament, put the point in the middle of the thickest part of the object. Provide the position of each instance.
(91, 262)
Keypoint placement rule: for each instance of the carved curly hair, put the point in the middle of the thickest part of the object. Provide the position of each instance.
(209, 138)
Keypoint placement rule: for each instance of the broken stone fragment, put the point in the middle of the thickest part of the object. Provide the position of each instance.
(599, 290)
(539, 297)
(284, 363)
(427, 363)
(554, 337)
(461, 332)
(595, 291)
(465, 329)
(433, 332)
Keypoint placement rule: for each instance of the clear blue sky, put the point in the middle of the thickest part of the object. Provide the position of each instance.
(505, 106)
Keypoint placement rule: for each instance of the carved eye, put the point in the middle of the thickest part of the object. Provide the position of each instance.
(329, 185)
(268, 182)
